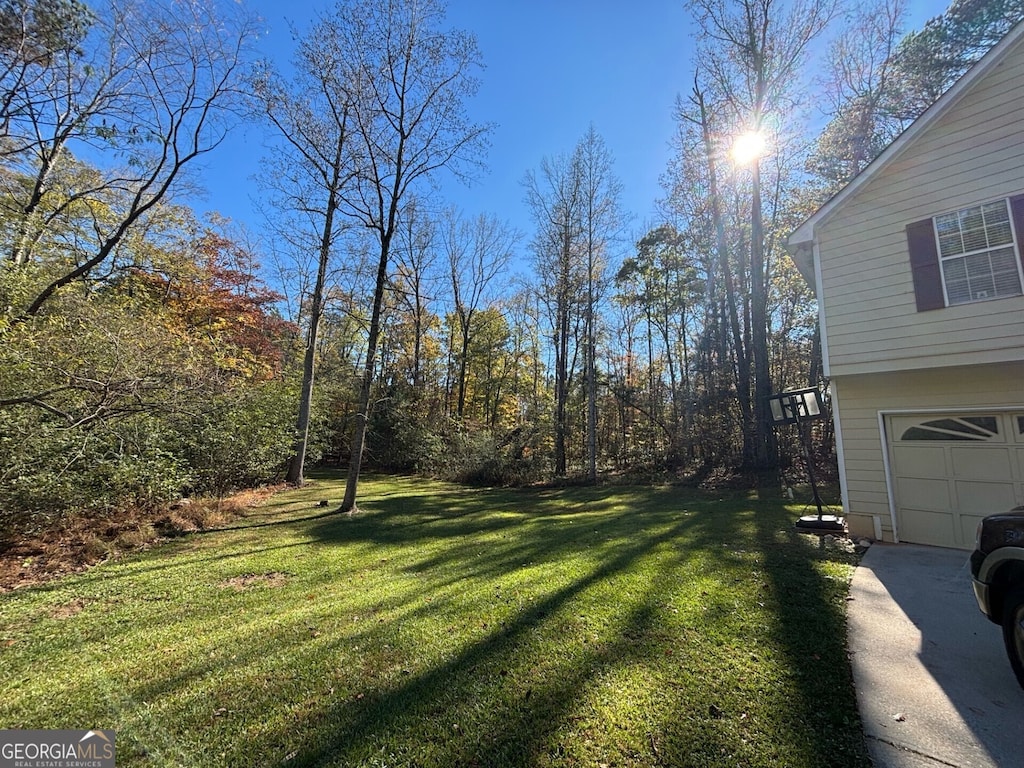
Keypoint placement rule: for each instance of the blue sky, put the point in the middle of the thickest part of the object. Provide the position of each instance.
(553, 67)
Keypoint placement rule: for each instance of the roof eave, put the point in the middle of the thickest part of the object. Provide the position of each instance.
(802, 239)
(802, 254)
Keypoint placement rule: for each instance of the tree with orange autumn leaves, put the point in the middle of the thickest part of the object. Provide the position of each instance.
(214, 300)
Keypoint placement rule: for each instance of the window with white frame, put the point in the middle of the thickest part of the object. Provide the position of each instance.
(977, 253)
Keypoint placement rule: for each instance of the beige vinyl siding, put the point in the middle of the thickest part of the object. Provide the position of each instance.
(950, 343)
(973, 154)
(862, 398)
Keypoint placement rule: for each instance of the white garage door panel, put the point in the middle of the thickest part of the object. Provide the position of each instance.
(983, 498)
(982, 462)
(950, 470)
(924, 494)
(921, 461)
(923, 527)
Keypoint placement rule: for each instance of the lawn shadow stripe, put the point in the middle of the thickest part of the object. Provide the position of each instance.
(811, 606)
(520, 734)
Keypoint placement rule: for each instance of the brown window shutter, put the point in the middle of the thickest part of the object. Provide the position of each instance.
(924, 264)
(1017, 212)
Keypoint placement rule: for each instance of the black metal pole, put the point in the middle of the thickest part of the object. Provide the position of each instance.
(805, 444)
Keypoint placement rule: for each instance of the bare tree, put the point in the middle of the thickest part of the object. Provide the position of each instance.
(478, 250)
(150, 88)
(752, 52)
(857, 83)
(556, 201)
(38, 39)
(312, 165)
(410, 124)
(413, 279)
(602, 220)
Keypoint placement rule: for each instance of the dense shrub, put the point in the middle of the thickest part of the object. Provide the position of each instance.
(399, 436)
(47, 469)
(238, 439)
(109, 412)
(477, 457)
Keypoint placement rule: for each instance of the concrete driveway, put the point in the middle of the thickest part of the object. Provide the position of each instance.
(934, 686)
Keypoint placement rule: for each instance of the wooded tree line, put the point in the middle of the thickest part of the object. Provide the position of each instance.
(143, 357)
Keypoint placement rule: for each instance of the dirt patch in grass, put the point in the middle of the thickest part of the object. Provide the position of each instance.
(75, 544)
(67, 610)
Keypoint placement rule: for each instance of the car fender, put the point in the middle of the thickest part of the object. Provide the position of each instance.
(996, 559)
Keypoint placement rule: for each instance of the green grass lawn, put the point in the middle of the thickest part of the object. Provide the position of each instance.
(443, 626)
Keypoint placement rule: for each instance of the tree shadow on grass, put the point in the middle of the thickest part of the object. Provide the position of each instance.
(475, 723)
(488, 533)
(809, 606)
(602, 606)
(496, 701)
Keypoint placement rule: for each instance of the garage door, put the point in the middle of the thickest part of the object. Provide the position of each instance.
(950, 470)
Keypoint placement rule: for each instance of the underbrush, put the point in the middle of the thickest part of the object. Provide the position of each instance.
(36, 551)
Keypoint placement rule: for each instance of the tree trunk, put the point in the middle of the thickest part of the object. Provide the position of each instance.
(591, 364)
(562, 361)
(297, 464)
(298, 460)
(362, 415)
(765, 449)
(742, 371)
(463, 365)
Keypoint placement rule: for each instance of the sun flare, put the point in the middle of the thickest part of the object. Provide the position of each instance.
(748, 147)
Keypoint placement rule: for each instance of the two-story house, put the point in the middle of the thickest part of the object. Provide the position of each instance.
(917, 266)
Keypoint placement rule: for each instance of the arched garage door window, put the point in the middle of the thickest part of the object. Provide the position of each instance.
(967, 428)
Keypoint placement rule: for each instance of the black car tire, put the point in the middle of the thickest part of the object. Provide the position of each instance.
(1013, 630)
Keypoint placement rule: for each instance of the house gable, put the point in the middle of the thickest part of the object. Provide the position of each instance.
(890, 300)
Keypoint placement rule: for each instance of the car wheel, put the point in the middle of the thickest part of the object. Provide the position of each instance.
(1013, 630)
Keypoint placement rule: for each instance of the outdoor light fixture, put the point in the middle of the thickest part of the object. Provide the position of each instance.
(797, 406)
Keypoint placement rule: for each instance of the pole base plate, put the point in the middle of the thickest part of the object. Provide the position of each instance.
(822, 524)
